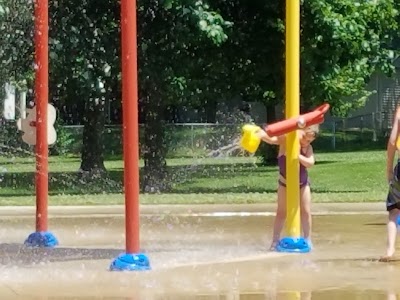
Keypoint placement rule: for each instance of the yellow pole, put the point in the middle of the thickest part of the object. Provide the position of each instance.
(292, 110)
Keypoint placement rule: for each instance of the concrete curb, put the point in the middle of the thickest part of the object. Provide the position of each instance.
(107, 210)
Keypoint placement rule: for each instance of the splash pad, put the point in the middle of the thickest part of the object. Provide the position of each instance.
(230, 259)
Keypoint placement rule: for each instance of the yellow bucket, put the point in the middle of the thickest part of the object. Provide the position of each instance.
(250, 141)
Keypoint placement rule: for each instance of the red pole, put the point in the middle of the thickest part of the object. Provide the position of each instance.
(130, 124)
(41, 99)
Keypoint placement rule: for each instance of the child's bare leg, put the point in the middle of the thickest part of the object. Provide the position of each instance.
(392, 232)
(280, 216)
(305, 211)
(391, 296)
(305, 295)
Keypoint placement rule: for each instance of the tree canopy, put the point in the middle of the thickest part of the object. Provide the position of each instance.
(192, 52)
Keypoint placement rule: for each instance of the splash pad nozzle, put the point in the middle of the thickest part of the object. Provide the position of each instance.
(43, 239)
(293, 245)
(131, 262)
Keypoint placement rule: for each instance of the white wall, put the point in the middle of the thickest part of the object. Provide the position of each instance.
(9, 102)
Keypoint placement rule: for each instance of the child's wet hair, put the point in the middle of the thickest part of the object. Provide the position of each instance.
(313, 129)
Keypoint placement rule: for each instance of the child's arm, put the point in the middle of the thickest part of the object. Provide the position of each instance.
(307, 160)
(273, 140)
(391, 146)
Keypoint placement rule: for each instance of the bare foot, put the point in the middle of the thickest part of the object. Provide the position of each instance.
(310, 244)
(273, 246)
(386, 258)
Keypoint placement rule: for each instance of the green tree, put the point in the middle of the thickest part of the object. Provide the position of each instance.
(85, 68)
(85, 52)
(16, 47)
(343, 43)
(169, 45)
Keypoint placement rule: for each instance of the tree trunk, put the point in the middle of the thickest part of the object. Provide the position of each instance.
(211, 109)
(154, 178)
(93, 147)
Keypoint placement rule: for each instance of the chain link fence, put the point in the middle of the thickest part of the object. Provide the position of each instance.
(205, 139)
(353, 133)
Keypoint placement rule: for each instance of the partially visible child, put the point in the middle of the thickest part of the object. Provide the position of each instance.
(393, 178)
(306, 159)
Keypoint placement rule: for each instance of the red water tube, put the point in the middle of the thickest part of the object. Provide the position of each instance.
(311, 118)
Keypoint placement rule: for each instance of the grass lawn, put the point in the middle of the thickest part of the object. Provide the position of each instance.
(337, 177)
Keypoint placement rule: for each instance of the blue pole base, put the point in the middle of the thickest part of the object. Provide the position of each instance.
(398, 220)
(41, 239)
(293, 245)
(131, 262)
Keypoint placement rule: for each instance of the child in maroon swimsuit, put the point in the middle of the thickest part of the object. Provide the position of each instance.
(306, 159)
(282, 170)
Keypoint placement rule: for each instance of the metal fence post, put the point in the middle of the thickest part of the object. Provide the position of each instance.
(192, 131)
(334, 135)
(374, 138)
